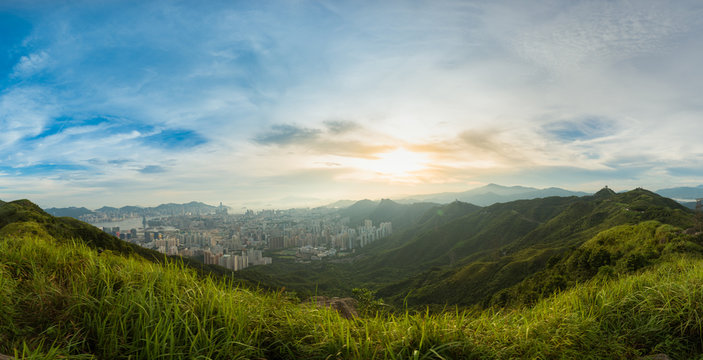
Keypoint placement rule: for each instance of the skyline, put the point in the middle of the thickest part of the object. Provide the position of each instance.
(295, 103)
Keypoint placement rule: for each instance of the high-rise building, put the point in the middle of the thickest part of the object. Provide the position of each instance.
(276, 242)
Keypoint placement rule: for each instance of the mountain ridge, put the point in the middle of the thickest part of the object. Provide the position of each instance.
(63, 299)
(638, 294)
(474, 254)
(493, 193)
(162, 209)
(24, 217)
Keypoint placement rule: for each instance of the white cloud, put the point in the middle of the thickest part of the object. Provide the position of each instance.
(407, 74)
(596, 33)
(31, 64)
(24, 111)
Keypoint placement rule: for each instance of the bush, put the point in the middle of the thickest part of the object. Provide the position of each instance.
(367, 303)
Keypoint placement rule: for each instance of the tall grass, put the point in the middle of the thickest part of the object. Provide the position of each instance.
(62, 299)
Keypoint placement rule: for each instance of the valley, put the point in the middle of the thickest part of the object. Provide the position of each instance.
(454, 266)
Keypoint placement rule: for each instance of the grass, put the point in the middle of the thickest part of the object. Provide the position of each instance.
(61, 299)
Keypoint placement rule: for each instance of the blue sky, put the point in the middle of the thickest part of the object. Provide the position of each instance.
(298, 103)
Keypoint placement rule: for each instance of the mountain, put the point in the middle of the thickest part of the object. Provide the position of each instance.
(340, 204)
(516, 245)
(493, 193)
(683, 193)
(401, 215)
(192, 207)
(74, 212)
(359, 211)
(465, 255)
(64, 299)
(24, 217)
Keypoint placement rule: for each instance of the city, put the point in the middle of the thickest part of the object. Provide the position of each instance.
(237, 241)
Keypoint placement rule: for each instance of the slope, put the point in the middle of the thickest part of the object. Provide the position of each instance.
(401, 215)
(448, 243)
(63, 300)
(506, 249)
(338, 278)
(24, 217)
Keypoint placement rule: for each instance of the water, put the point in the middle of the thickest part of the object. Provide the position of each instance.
(128, 224)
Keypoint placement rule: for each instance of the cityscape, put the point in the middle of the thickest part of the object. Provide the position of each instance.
(237, 241)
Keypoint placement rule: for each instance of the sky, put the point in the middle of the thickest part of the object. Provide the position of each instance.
(261, 104)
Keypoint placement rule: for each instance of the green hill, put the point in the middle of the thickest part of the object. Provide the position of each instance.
(401, 215)
(24, 217)
(473, 259)
(503, 254)
(63, 299)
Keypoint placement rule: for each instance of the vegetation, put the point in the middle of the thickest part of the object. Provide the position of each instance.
(621, 279)
(66, 299)
(505, 254)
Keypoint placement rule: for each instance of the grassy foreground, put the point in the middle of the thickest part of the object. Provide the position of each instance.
(61, 299)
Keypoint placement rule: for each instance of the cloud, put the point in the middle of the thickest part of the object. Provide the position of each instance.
(24, 111)
(42, 169)
(315, 141)
(174, 139)
(341, 126)
(152, 169)
(64, 124)
(31, 64)
(118, 161)
(284, 134)
(329, 163)
(583, 128)
(224, 95)
(597, 32)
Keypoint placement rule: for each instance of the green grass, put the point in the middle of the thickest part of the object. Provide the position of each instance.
(503, 254)
(61, 298)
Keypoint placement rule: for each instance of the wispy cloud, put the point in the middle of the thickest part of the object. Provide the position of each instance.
(584, 128)
(152, 169)
(162, 99)
(31, 64)
(174, 139)
(42, 169)
(596, 33)
(341, 126)
(24, 112)
(285, 134)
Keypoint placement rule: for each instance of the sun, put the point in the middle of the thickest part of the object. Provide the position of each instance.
(399, 164)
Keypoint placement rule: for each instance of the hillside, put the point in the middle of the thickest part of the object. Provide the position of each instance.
(401, 215)
(474, 259)
(461, 254)
(24, 217)
(63, 299)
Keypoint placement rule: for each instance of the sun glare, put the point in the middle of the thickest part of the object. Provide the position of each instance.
(396, 165)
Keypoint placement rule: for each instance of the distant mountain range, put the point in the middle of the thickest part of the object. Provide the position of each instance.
(491, 194)
(683, 193)
(494, 193)
(193, 207)
(482, 196)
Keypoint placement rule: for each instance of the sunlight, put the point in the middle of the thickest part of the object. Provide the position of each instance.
(397, 164)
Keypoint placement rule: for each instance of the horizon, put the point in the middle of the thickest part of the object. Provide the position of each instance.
(283, 104)
(402, 199)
